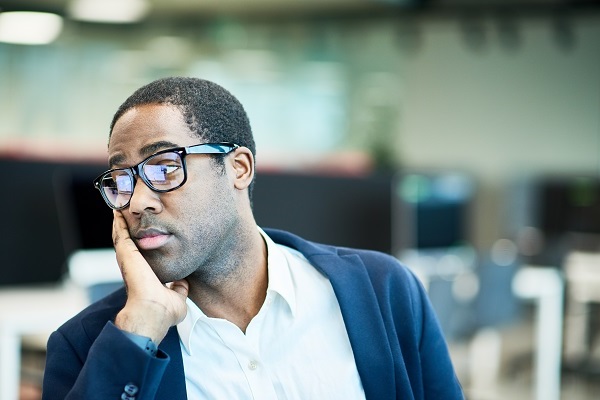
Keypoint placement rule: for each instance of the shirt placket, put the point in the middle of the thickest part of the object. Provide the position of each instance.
(246, 350)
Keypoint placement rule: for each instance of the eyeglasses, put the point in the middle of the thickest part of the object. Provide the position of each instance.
(162, 172)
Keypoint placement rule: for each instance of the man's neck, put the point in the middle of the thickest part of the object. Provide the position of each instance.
(239, 297)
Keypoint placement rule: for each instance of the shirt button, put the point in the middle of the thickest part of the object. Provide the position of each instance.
(252, 365)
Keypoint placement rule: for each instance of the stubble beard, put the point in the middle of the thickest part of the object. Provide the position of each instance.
(207, 257)
(207, 263)
(219, 261)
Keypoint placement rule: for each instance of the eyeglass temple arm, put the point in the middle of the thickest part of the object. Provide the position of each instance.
(212, 148)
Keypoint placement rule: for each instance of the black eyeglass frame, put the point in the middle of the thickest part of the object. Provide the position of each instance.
(222, 148)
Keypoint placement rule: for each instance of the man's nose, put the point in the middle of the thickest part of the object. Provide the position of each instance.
(144, 199)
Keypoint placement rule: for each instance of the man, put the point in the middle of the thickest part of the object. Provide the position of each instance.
(215, 307)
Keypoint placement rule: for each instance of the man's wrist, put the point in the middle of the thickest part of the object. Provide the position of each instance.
(146, 323)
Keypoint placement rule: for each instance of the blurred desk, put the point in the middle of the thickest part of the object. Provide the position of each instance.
(31, 311)
(583, 276)
(582, 271)
(545, 286)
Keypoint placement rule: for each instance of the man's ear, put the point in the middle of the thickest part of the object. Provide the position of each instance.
(243, 167)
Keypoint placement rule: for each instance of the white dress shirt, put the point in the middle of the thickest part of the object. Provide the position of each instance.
(296, 347)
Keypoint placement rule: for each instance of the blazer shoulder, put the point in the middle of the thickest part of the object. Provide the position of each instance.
(334, 260)
(88, 323)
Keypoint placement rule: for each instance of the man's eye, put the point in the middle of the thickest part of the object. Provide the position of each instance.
(161, 173)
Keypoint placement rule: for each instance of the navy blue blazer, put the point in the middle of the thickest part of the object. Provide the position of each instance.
(398, 345)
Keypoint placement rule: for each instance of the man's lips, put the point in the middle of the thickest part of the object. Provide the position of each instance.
(149, 239)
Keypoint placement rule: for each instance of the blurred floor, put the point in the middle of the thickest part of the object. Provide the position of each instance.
(521, 388)
(32, 367)
(499, 365)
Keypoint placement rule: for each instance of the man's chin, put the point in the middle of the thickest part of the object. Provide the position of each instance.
(163, 271)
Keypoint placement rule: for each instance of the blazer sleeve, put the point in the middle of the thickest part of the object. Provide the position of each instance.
(113, 366)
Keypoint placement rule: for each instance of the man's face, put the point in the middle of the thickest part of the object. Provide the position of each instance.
(189, 229)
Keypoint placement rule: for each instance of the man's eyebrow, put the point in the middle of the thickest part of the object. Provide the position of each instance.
(145, 151)
(152, 148)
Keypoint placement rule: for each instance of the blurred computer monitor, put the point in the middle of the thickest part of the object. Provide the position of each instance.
(351, 211)
(568, 204)
(431, 209)
(31, 242)
(85, 219)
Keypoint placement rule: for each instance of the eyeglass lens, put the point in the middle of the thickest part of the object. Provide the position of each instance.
(162, 172)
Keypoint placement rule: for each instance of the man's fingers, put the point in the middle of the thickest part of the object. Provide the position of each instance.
(180, 286)
(120, 234)
(133, 265)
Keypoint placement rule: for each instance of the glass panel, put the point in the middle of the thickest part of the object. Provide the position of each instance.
(118, 187)
(164, 171)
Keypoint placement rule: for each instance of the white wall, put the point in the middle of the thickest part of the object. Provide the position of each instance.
(500, 111)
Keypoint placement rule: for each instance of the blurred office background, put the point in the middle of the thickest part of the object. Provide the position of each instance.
(461, 136)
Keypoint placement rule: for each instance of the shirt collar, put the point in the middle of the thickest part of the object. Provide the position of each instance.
(186, 327)
(280, 282)
(280, 276)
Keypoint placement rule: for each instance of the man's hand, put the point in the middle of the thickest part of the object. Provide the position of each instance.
(151, 307)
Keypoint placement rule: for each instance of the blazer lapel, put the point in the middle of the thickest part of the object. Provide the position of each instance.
(364, 325)
(173, 382)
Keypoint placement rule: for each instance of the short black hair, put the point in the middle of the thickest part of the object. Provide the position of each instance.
(210, 111)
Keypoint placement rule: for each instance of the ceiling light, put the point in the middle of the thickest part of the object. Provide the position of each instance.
(26, 27)
(108, 11)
